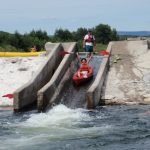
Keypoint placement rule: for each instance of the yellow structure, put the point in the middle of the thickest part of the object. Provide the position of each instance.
(21, 54)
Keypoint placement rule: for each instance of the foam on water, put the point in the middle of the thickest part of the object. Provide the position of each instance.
(59, 123)
(59, 116)
(117, 127)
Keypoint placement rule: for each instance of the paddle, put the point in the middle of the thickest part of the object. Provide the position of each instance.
(9, 96)
(99, 53)
(103, 52)
(65, 52)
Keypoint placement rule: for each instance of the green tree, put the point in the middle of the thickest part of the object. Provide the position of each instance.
(39, 38)
(79, 34)
(19, 42)
(63, 35)
(4, 37)
(42, 35)
(16, 40)
(114, 35)
(103, 33)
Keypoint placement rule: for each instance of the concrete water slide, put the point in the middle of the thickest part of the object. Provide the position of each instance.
(27, 94)
(46, 88)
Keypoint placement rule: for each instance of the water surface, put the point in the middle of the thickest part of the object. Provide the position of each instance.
(62, 128)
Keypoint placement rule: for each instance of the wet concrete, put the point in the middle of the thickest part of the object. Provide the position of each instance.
(74, 96)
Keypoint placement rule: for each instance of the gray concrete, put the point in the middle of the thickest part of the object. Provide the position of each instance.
(93, 94)
(148, 43)
(27, 94)
(128, 79)
(47, 94)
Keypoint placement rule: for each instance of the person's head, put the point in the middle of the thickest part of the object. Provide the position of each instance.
(89, 31)
(83, 60)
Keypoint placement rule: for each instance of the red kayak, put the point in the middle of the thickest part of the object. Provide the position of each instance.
(83, 74)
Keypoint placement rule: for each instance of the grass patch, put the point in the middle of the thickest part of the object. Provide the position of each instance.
(99, 47)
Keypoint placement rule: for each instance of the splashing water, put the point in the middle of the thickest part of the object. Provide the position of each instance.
(62, 128)
(59, 116)
(58, 124)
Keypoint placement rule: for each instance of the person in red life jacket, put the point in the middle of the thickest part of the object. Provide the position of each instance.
(84, 65)
(89, 43)
(82, 61)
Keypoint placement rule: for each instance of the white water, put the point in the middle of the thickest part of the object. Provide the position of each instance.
(58, 124)
(117, 127)
(59, 116)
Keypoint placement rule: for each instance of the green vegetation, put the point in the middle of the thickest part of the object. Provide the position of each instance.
(23, 42)
(100, 47)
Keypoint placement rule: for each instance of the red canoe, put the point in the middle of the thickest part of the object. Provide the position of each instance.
(83, 74)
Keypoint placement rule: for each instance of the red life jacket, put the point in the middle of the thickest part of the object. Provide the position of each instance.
(84, 65)
(90, 39)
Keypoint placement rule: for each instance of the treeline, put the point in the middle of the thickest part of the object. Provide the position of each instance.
(19, 42)
(23, 42)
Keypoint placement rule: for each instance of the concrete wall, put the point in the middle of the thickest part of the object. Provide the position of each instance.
(45, 94)
(148, 43)
(134, 39)
(93, 94)
(27, 94)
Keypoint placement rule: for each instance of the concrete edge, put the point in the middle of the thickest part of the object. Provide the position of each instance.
(46, 93)
(27, 94)
(93, 94)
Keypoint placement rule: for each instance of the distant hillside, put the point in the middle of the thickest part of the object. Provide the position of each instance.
(134, 33)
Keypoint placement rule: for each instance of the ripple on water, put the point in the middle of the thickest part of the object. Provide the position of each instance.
(116, 127)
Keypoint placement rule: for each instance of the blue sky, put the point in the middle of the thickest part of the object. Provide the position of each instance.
(49, 15)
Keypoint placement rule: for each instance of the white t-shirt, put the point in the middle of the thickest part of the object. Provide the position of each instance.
(86, 38)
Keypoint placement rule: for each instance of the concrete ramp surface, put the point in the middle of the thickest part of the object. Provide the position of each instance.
(27, 94)
(48, 92)
(126, 82)
(53, 82)
(75, 96)
(128, 79)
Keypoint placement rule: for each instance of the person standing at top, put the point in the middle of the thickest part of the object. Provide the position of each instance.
(89, 43)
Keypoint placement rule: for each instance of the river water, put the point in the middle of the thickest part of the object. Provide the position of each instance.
(71, 128)
(62, 128)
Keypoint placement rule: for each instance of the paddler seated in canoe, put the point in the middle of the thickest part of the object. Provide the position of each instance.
(83, 61)
(84, 65)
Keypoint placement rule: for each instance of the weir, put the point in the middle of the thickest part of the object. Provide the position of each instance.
(53, 82)
(74, 96)
(26, 95)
